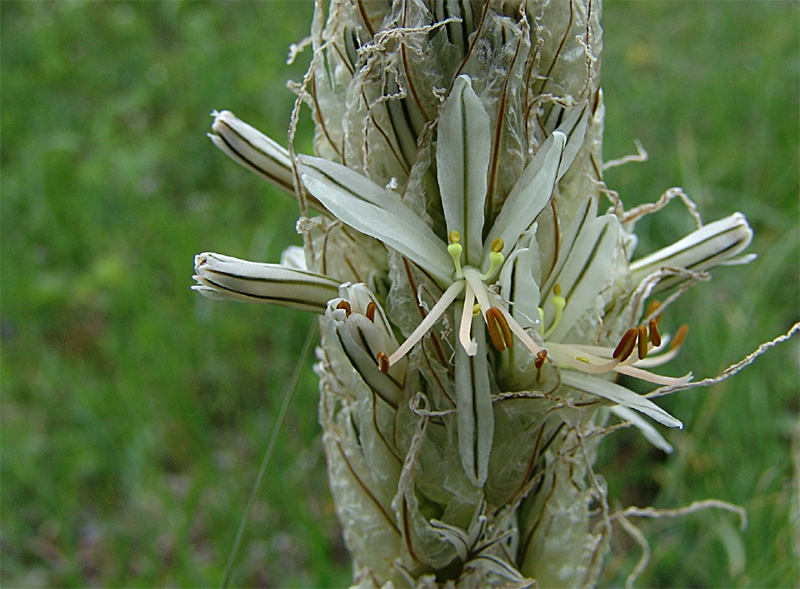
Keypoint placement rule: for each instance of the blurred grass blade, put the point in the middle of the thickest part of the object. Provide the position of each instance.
(287, 398)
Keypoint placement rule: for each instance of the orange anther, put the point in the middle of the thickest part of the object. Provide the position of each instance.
(652, 308)
(626, 345)
(643, 342)
(499, 330)
(371, 311)
(680, 335)
(540, 358)
(383, 362)
(654, 336)
(346, 306)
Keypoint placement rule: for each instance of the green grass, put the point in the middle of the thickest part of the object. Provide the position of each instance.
(135, 413)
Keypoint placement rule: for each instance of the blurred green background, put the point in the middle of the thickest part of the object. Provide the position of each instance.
(135, 413)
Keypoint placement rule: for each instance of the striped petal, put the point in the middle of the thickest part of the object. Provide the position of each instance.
(231, 279)
(709, 246)
(474, 409)
(462, 162)
(618, 395)
(253, 150)
(377, 212)
(530, 195)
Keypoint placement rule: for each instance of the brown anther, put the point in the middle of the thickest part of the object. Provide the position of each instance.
(680, 335)
(497, 245)
(626, 345)
(383, 362)
(540, 358)
(371, 311)
(643, 342)
(499, 330)
(652, 308)
(654, 336)
(346, 306)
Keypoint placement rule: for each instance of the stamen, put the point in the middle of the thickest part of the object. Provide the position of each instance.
(346, 306)
(499, 330)
(626, 345)
(383, 362)
(540, 358)
(455, 249)
(430, 320)
(465, 327)
(371, 311)
(495, 258)
(476, 309)
(680, 335)
(517, 330)
(559, 303)
(643, 342)
(652, 308)
(655, 337)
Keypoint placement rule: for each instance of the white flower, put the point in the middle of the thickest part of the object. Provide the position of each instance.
(469, 264)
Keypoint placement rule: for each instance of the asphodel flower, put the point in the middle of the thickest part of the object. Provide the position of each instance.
(470, 263)
(476, 306)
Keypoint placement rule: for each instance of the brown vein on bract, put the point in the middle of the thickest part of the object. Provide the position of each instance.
(475, 37)
(367, 22)
(380, 129)
(560, 47)
(365, 488)
(344, 58)
(436, 378)
(404, 54)
(498, 135)
(377, 429)
(321, 122)
(407, 531)
(529, 536)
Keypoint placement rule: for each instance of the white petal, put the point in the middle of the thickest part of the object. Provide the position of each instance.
(518, 286)
(530, 195)
(226, 278)
(709, 246)
(462, 162)
(648, 431)
(474, 410)
(586, 272)
(574, 127)
(294, 257)
(377, 212)
(253, 150)
(619, 395)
